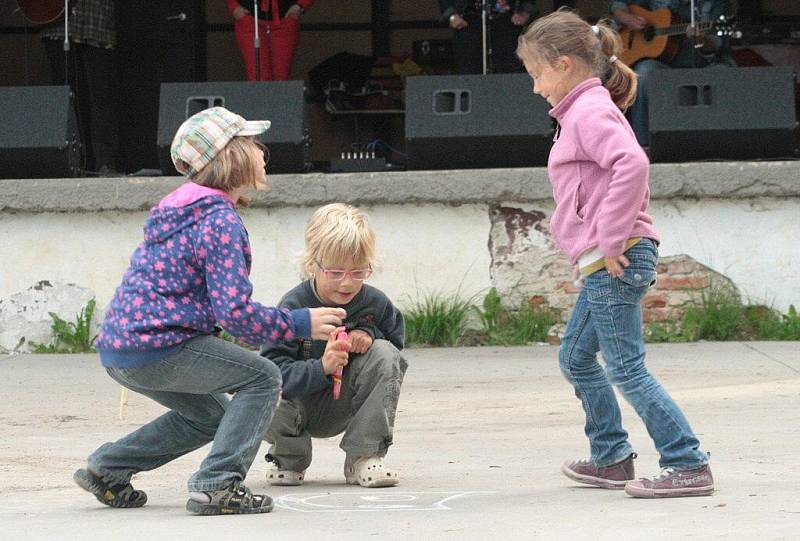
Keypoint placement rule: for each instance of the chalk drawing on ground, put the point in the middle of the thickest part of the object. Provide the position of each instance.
(330, 502)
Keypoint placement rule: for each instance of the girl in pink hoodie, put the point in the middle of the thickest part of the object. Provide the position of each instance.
(599, 175)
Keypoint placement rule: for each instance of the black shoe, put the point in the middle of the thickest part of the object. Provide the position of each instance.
(120, 496)
(108, 172)
(234, 500)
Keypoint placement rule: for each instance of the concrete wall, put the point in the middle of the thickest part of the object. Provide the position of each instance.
(740, 219)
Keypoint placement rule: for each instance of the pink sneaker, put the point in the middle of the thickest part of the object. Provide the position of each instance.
(612, 477)
(673, 483)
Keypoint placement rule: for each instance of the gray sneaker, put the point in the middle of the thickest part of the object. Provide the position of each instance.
(120, 496)
(672, 483)
(612, 477)
(234, 500)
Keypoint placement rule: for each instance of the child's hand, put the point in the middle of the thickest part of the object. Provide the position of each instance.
(614, 265)
(575, 276)
(335, 353)
(360, 341)
(324, 321)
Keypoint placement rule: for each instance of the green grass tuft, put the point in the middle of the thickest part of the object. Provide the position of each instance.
(436, 320)
(719, 315)
(69, 337)
(504, 327)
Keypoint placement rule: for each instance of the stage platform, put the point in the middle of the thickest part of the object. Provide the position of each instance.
(697, 180)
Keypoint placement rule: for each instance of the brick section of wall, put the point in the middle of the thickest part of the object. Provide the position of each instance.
(681, 282)
(527, 267)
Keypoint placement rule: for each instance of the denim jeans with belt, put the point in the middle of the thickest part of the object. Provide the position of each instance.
(193, 383)
(608, 318)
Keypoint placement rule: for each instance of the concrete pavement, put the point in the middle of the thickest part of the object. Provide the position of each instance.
(480, 436)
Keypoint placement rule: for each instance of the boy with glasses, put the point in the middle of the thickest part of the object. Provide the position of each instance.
(337, 259)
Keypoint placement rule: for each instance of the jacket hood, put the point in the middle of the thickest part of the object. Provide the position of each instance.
(182, 209)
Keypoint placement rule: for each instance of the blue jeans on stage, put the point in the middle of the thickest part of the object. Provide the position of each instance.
(193, 383)
(639, 110)
(608, 318)
(686, 57)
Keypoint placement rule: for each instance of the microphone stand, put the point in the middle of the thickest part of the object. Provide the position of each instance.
(257, 41)
(66, 42)
(485, 36)
(693, 26)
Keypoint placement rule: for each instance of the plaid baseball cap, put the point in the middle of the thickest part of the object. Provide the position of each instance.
(203, 135)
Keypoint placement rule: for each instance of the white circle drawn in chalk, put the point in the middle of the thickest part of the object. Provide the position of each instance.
(390, 498)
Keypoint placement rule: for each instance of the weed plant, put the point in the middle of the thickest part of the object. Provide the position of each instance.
(504, 327)
(720, 315)
(69, 337)
(436, 320)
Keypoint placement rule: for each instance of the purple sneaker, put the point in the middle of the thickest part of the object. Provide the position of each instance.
(673, 483)
(613, 477)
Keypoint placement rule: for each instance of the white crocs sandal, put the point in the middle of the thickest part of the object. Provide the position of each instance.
(284, 478)
(369, 472)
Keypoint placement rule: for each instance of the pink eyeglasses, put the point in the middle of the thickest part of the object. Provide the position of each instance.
(337, 275)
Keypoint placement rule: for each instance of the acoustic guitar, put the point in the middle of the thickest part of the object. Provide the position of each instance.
(42, 11)
(661, 37)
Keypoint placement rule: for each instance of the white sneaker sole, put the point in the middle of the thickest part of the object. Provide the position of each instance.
(375, 482)
(638, 492)
(285, 478)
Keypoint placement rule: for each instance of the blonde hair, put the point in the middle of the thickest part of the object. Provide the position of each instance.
(232, 167)
(337, 234)
(564, 33)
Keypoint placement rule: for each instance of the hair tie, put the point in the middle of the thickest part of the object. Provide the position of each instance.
(613, 58)
(595, 30)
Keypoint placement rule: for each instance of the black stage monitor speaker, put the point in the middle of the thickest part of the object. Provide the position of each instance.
(476, 121)
(721, 113)
(281, 102)
(39, 137)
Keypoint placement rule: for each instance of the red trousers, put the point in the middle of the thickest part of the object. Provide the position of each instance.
(278, 45)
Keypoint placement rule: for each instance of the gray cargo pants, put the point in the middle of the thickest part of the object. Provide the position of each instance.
(365, 411)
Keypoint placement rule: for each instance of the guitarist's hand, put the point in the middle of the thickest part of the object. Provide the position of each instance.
(628, 19)
(698, 33)
(701, 39)
(457, 22)
(520, 18)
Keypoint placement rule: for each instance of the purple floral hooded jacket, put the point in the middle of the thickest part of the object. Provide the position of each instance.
(189, 275)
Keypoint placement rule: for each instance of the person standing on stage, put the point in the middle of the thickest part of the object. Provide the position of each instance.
(506, 20)
(279, 33)
(90, 72)
(705, 50)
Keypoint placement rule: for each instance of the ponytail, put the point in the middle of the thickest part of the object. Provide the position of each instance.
(620, 80)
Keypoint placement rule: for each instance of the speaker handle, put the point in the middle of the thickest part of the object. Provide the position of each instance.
(452, 101)
(195, 104)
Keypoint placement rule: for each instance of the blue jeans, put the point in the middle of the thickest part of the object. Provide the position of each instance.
(192, 383)
(639, 110)
(608, 318)
(686, 57)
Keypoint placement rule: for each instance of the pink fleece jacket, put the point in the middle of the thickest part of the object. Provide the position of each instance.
(599, 175)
